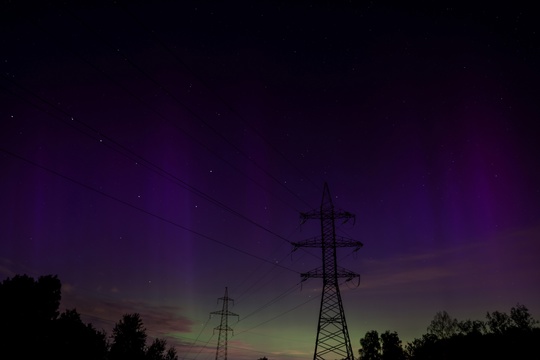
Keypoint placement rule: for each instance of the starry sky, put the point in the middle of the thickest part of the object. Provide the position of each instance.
(153, 153)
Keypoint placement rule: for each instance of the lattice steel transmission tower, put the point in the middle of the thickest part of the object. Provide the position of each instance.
(223, 328)
(333, 342)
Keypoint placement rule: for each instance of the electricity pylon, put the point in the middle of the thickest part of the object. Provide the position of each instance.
(333, 340)
(223, 328)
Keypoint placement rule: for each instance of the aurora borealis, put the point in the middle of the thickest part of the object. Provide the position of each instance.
(154, 153)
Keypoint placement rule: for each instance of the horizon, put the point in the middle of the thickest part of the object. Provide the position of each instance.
(192, 350)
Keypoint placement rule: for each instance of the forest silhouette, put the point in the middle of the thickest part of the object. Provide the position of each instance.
(500, 336)
(32, 327)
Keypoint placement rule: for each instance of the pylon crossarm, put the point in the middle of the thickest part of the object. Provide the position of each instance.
(313, 242)
(226, 312)
(315, 273)
(348, 276)
(334, 215)
(327, 213)
(346, 242)
(340, 241)
(347, 216)
(313, 214)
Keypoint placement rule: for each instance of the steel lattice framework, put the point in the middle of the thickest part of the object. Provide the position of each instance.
(333, 342)
(223, 328)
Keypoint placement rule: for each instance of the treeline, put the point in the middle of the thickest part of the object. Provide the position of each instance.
(500, 336)
(31, 327)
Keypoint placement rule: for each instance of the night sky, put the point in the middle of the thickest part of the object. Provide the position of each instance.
(153, 153)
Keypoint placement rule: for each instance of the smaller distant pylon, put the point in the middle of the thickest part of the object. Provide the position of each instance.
(223, 328)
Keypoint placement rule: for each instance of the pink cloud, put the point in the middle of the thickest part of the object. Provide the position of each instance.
(159, 321)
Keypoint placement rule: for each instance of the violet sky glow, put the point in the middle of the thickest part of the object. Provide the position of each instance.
(152, 154)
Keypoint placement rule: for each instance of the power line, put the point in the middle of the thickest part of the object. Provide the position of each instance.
(197, 339)
(101, 135)
(142, 210)
(163, 117)
(149, 165)
(240, 297)
(130, 154)
(202, 347)
(106, 143)
(119, 52)
(285, 312)
(145, 162)
(139, 159)
(274, 300)
(258, 281)
(280, 315)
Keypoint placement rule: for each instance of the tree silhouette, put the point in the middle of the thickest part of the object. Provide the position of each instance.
(75, 340)
(387, 347)
(31, 327)
(502, 336)
(156, 351)
(519, 320)
(171, 354)
(27, 311)
(391, 346)
(129, 339)
(129, 342)
(443, 326)
(522, 320)
(422, 348)
(370, 346)
(514, 336)
(498, 322)
(471, 327)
